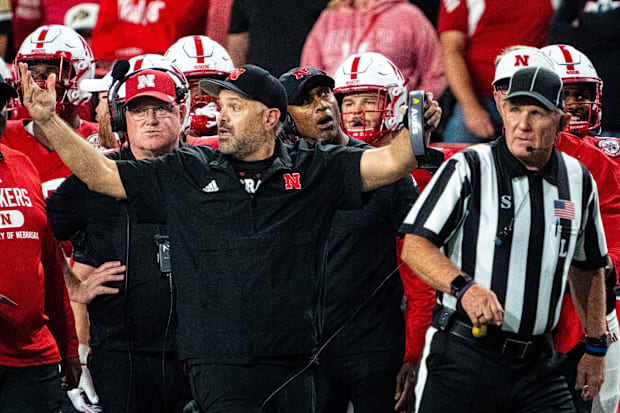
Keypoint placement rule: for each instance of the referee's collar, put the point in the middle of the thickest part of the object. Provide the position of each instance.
(516, 169)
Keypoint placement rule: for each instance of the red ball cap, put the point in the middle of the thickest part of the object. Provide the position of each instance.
(149, 82)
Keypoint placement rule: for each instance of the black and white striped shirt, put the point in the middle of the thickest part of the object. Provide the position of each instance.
(543, 222)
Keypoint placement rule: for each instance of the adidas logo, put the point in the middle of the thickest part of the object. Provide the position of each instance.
(211, 187)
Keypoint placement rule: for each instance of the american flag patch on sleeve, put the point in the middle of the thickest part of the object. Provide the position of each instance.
(564, 209)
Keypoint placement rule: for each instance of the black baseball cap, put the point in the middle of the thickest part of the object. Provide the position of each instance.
(252, 82)
(6, 87)
(299, 79)
(539, 83)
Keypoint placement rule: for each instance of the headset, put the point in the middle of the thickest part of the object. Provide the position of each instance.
(117, 104)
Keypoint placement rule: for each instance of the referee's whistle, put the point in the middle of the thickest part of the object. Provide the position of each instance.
(479, 332)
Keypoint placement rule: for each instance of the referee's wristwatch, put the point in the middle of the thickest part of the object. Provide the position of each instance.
(460, 284)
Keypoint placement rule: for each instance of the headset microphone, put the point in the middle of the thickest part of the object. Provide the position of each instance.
(529, 149)
(120, 69)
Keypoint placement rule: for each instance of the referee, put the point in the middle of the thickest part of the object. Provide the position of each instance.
(515, 218)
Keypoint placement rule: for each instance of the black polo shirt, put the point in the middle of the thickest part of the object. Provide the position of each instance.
(138, 314)
(362, 253)
(248, 266)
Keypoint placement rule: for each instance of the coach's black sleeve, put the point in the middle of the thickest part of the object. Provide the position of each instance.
(148, 182)
(343, 175)
(67, 208)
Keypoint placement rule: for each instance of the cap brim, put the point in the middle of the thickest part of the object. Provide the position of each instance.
(154, 94)
(316, 80)
(8, 89)
(214, 86)
(536, 96)
(95, 85)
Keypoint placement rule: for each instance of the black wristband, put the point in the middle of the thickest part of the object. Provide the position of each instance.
(459, 283)
(601, 342)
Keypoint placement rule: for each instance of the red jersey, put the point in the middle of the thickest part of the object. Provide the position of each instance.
(212, 141)
(607, 178)
(33, 332)
(127, 28)
(52, 170)
(609, 145)
(421, 299)
(605, 173)
(491, 26)
(218, 20)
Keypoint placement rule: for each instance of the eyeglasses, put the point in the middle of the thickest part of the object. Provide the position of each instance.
(142, 112)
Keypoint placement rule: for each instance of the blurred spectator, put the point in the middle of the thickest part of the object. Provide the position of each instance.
(218, 20)
(5, 27)
(255, 38)
(30, 14)
(127, 28)
(430, 9)
(82, 18)
(394, 28)
(594, 28)
(472, 33)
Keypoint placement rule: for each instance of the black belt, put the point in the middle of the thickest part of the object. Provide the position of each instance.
(498, 342)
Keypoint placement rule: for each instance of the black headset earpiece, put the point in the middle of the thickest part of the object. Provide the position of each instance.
(118, 118)
(117, 110)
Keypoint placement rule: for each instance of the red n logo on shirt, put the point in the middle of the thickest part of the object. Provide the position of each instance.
(522, 60)
(301, 73)
(291, 181)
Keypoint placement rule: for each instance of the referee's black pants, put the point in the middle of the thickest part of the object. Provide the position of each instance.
(242, 388)
(458, 378)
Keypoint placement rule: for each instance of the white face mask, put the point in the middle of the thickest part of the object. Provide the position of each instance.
(209, 110)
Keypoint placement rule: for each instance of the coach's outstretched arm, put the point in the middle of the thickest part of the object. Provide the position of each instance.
(94, 169)
(382, 166)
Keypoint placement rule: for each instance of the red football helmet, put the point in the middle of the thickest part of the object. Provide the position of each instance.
(199, 57)
(575, 68)
(371, 72)
(59, 45)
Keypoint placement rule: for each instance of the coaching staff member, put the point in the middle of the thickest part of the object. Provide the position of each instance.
(247, 249)
(132, 332)
(362, 360)
(515, 217)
